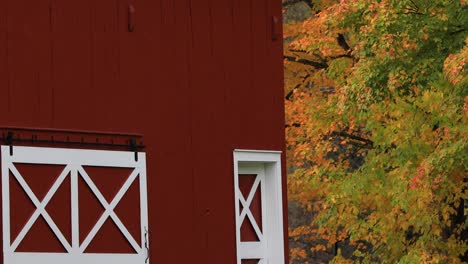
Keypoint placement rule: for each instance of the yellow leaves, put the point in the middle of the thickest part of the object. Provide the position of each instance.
(439, 13)
(447, 213)
(341, 208)
(436, 230)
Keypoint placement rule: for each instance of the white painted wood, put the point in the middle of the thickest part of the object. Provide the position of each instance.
(6, 201)
(267, 166)
(248, 250)
(62, 156)
(71, 258)
(252, 250)
(144, 207)
(75, 210)
(258, 151)
(74, 161)
(274, 203)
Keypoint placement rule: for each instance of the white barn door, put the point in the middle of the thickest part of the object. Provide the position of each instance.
(79, 238)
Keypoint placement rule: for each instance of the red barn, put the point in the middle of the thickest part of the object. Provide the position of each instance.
(142, 131)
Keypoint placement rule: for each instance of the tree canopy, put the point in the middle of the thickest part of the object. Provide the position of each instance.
(377, 105)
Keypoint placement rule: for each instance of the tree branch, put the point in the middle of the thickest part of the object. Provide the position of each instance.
(293, 125)
(290, 94)
(368, 143)
(342, 42)
(458, 31)
(316, 65)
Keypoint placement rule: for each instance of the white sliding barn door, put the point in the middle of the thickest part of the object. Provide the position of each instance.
(85, 206)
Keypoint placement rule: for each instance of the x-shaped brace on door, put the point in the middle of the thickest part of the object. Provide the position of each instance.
(40, 208)
(246, 207)
(109, 209)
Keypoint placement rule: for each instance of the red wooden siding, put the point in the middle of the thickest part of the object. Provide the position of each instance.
(198, 78)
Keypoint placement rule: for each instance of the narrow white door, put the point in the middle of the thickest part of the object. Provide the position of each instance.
(259, 207)
(250, 221)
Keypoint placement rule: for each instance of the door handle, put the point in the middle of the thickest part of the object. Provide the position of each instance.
(147, 245)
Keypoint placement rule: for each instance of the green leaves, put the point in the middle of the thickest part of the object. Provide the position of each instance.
(403, 90)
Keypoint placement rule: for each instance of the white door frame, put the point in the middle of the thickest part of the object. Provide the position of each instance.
(267, 166)
(73, 160)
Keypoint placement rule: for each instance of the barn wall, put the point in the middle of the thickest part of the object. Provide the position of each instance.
(197, 78)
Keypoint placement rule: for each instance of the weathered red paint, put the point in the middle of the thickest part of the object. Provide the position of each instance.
(198, 78)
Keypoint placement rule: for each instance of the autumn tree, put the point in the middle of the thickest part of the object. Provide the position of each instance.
(377, 104)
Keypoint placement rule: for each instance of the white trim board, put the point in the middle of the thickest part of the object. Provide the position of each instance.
(267, 166)
(74, 161)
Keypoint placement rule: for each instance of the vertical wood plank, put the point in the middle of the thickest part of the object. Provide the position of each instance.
(167, 30)
(4, 75)
(104, 63)
(261, 120)
(28, 59)
(72, 72)
(223, 211)
(21, 74)
(200, 88)
(181, 62)
(276, 73)
(206, 107)
(243, 64)
(138, 53)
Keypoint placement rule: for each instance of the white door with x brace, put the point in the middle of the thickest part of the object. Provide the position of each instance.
(259, 207)
(252, 211)
(73, 206)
